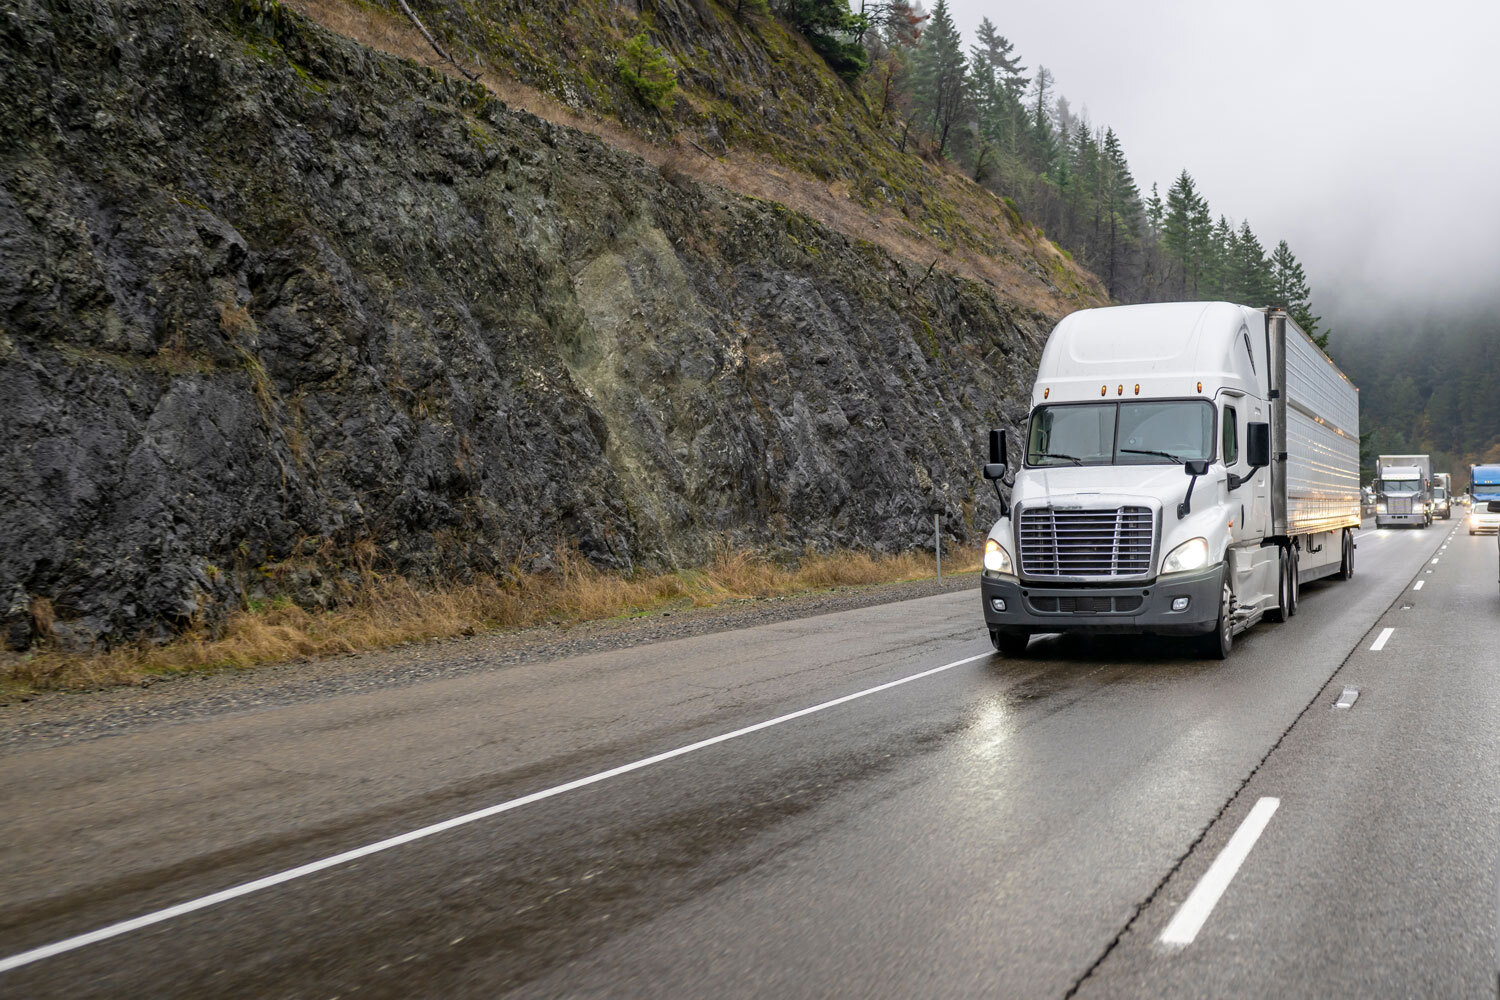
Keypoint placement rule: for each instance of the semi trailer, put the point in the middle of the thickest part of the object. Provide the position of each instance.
(1403, 490)
(1186, 467)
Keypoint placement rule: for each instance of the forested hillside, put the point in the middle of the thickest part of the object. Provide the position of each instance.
(911, 94)
(1429, 384)
(1013, 131)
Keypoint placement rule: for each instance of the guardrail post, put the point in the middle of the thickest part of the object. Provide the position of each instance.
(937, 544)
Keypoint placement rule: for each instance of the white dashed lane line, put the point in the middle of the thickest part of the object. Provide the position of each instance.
(1189, 919)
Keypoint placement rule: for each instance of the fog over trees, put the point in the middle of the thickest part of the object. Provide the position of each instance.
(1405, 315)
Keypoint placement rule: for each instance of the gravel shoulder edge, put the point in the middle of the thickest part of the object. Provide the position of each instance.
(55, 718)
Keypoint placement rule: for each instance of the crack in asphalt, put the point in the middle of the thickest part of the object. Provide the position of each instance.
(1234, 796)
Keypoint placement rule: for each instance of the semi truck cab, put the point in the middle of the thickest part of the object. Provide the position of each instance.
(1152, 489)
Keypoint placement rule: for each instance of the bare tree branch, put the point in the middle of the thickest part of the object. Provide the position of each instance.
(433, 42)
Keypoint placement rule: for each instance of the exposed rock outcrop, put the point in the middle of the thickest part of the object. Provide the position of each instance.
(271, 300)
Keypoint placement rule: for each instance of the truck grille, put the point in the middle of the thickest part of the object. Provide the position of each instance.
(1112, 542)
(1401, 506)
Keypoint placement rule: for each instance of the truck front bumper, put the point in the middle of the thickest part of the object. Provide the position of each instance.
(1141, 607)
(1386, 520)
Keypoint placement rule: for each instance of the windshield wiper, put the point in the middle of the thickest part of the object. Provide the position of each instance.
(1053, 454)
(1160, 454)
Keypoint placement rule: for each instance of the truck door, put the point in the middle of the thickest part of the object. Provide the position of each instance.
(1248, 508)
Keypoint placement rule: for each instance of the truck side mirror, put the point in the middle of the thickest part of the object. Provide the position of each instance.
(1258, 444)
(1194, 469)
(997, 467)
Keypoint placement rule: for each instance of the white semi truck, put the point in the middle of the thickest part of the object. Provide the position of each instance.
(1403, 490)
(1442, 495)
(1187, 466)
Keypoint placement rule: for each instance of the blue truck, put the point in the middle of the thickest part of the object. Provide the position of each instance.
(1484, 490)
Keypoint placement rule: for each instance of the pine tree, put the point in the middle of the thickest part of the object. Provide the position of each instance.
(1187, 234)
(831, 30)
(1250, 271)
(1123, 208)
(1039, 104)
(941, 78)
(1288, 287)
(1202, 245)
(1155, 213)
(1219, 268)
(644, 69)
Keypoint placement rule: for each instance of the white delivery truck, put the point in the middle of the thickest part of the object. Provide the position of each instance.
(1186, 467)
(1403, 490)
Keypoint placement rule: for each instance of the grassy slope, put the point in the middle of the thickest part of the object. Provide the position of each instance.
(390, 611)
(757, 112)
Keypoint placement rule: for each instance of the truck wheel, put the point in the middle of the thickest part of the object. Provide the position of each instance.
(1283, 609)
(1009, 644)
(1346, 568)
(1218, 643)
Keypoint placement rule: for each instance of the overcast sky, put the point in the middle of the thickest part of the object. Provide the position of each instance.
(1367, 135)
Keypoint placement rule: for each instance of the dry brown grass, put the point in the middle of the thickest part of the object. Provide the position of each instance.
(390, 611)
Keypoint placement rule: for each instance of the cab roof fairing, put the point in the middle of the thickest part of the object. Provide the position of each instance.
(1167, 348)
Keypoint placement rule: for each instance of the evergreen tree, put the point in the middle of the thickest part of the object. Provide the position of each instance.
(940, 77)
(1187, 233)
(1155, 213)
(831, 30)
(1288, 288)
(1010, 77)
(1219, 267)
(1202, 256)
(1043, 143)
(646, 71)
(1250, 271)
(1122, 201)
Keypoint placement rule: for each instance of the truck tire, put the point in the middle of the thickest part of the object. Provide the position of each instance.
(1218, 643)
(1011, 645)
(1346, 567)
(1283, 609)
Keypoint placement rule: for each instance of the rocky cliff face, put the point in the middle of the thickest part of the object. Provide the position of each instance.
(273, 306)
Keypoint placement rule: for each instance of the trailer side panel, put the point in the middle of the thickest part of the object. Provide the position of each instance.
(1322, 439)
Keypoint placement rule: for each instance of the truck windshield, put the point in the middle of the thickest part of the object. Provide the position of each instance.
(1439, 493)
(1137, 433)
(1399, 485)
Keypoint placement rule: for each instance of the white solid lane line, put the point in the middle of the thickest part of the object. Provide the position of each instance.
(1205, 895)
(246, 888)
(1418, 585)
(1379, 643)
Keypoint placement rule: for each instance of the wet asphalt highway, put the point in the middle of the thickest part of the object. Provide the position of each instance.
(999, 827)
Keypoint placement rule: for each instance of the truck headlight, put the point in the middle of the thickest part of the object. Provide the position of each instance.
(1380, 508)
(996, 559)
(1191, 554)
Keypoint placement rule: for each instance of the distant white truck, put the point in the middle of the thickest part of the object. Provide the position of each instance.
(1442, 495)
(1403, 490)
(1187, 466)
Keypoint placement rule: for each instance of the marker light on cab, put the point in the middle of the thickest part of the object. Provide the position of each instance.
(1190, 555)
(996, 559)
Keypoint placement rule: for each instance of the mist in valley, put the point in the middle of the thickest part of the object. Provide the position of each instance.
(1364, 137)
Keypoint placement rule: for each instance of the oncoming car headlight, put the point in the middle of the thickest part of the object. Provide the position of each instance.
(1191, 554)
(996, 559)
